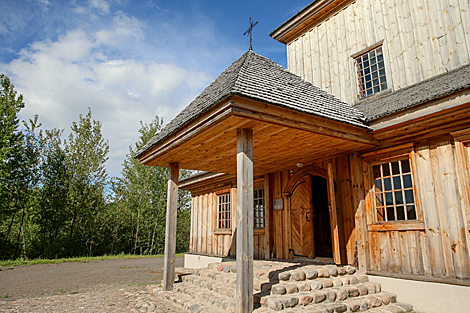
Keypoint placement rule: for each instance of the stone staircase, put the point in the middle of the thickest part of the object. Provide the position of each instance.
(281, 286)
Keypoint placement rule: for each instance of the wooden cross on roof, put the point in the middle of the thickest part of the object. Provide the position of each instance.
(249, 31)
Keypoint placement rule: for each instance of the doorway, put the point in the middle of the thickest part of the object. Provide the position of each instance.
(310, 220)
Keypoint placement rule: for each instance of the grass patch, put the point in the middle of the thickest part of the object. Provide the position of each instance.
(10, 263)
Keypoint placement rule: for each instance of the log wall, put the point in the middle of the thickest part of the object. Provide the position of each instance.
(421, 39)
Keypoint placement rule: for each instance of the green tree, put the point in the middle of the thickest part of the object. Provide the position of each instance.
(141, 196)
(86, 152)
(11, 142)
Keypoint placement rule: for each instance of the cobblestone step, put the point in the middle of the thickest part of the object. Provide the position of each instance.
(193, 299)
(283, 286)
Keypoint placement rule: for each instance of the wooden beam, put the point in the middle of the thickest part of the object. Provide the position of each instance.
(333, 215)
(244, 221)
(170, 230)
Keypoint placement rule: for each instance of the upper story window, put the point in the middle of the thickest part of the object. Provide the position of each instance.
(393, 189)
(224, 211)
(258, 207)
(371, 72)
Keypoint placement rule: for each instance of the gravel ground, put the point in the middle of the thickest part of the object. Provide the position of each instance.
(102, 286)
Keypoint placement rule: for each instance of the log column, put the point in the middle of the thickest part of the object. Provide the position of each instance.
(170, 230)
(244, 221)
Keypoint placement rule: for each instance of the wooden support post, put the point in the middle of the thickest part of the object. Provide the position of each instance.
(360, 217)
(244, 221)
(333, 215)
(170, 230)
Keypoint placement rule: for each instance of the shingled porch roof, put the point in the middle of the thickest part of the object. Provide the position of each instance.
(247, 90)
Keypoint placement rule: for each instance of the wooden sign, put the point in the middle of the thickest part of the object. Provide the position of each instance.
(278, 204)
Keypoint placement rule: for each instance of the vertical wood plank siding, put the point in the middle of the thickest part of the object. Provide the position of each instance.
(441, 178)
(421, 39)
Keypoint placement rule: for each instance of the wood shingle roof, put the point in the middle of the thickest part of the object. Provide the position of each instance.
(255, 77)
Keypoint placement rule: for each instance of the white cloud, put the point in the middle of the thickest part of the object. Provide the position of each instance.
(100, 5)
(46, 2)
(61, 79)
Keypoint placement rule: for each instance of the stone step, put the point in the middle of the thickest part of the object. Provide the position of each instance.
(194, 299)
(283, 286)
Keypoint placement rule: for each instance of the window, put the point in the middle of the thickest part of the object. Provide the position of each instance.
(224, 211)
(258, 207)
(393, 190)
(371, 72)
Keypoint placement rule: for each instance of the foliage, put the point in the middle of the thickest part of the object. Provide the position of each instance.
(57, 201)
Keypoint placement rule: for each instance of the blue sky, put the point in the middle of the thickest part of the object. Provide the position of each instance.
(127, 60)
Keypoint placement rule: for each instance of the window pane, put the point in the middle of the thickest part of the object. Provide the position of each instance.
(389, 198)
(411, 211)
(375, 82)
(376, 169)
(407, 181)
(398, 197)
(378, 184)
(395, 168)
(409, 196)
(386, 169)
(396, 182)
(390, 214)
(400, 213)
(383, 86)
(387, 184)
(405, 166)
(379, 199)
(376, 89)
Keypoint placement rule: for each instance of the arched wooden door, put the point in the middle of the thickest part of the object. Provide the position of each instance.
(301, 219)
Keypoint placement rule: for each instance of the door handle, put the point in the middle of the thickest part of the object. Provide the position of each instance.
(306, 216)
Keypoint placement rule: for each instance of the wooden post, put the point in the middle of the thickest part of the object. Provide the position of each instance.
(244, 221)
(360, 217)
(170, 230)
(333, 215)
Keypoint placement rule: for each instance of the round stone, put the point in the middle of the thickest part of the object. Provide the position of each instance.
(278, 290)
(297, 276)
(291, 288)
(316, 285)
(284, 276)
(312, 274)
(274, 304)
(289, 302)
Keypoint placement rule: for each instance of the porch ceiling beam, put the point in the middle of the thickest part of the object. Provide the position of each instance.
(285, 117)
(244, 225)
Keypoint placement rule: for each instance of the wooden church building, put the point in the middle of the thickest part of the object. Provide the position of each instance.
(358, 153)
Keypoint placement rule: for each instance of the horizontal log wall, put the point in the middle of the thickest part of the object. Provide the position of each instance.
(441, 247)
(421, 39)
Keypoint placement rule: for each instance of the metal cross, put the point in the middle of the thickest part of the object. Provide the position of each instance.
(249, 31)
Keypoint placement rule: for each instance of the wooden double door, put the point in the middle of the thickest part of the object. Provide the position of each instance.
(310, 221)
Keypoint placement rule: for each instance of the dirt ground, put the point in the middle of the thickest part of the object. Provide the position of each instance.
(41, 280)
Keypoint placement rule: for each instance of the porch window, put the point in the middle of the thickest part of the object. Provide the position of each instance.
(224, 211)
(370, 72)
(393, 190)
(258, 207)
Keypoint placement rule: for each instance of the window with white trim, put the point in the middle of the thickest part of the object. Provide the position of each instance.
(393, 191)
(371, 76)
(258, 208)
(224, 211)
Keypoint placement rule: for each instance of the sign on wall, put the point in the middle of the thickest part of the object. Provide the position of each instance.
(278, 204)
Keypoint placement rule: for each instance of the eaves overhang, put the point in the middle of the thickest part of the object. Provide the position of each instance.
(313, 14)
